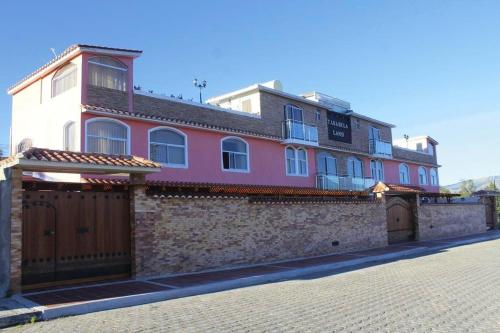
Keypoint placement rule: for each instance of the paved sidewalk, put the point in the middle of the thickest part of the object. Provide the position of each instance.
(53, 303)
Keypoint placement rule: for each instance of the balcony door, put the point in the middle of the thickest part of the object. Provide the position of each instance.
(354, 167)
(374, 133)
(295, 122)
(327, 164)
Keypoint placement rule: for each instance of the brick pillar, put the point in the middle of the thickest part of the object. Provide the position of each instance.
(141, 227)
(16, 228)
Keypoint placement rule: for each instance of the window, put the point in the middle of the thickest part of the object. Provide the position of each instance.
(107, 136)
(293, 113)
(246, 105)
(107, 72)
(422, 176)
(296, 161)
(235, 155)
(25, 144)
(69, 136)
(434, 177)
(419, 147)
(327, 164)
(64, 79)
(404, 174)
(168, 146)
(356, 123)
(374, 133)
(354, 167)
(318, 115)
(430, 149)
(377, 170)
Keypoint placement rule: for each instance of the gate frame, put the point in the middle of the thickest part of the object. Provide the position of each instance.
(11, 174)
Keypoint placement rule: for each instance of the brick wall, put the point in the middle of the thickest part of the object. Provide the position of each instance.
(450, 220)
(175, 235)
(108, 98)
(413, 156)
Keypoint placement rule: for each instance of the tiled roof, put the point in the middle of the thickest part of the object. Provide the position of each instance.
(49, 155)
(174, 121)
(396, 188)
(65, 53)
(240, 189)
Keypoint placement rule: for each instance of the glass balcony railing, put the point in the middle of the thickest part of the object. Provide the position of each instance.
(296, 130)
(380, 148)
(332, 182)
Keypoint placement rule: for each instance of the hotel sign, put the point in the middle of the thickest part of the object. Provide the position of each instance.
(339, 127)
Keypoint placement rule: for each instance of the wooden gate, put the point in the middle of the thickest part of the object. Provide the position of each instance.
(73, 235)
(400, 226)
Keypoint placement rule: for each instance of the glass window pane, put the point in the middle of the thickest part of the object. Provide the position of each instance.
(167, 136)
(225, 160)
(240, 162)
(175, 155)
(234, 145)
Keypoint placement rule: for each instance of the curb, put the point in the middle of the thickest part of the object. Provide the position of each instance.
(126, 301)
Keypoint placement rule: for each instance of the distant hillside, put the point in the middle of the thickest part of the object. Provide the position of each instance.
(479, 183)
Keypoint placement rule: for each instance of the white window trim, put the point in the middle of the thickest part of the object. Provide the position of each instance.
(381, 168)
(430, 176)
(65, 138)
(62, 76)
(426, 176)
(110, 66)
(88, 121)
(222, 159)
(296, 158)
(170, 165)
(408, 175)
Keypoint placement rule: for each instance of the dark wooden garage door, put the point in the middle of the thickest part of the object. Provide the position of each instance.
(72, 235)
(400, 226)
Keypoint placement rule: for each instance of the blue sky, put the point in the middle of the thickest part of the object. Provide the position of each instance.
(430, 67)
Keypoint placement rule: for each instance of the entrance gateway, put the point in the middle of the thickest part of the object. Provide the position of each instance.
(74, 235)
(400, 222)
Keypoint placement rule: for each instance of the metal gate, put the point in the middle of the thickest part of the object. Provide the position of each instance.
(400, 226)
(73, 235)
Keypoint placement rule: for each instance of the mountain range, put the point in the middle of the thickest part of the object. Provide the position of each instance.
(479, 183)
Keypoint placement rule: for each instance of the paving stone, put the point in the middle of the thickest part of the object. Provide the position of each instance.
(454, 290)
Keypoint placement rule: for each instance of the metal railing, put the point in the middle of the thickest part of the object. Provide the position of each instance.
(333, 182)
(297, 130)
(380, 148)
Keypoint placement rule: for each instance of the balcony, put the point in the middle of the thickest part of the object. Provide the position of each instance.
(380, 148)
(332, 182)
(300, 133)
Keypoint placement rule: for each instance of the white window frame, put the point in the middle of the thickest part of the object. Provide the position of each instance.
(66, 140)
(91, 120)
(170, 165)
(407, 174)
(426, 178)
(222, 152)
(375, 176)
(126, 69)
(436, 174)
(297, 164)
(75, 70)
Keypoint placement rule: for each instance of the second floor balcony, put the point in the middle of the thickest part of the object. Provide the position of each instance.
(299, 132)
(380, 148)
(347, 183)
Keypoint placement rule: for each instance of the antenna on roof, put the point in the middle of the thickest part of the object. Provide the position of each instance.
(53, 51)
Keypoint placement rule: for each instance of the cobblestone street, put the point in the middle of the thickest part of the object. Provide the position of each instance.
(456, 290)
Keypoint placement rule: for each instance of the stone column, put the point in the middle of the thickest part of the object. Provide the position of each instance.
(16, 230)
(141, 227)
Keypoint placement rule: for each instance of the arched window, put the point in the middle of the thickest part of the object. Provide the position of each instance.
(434, 177)
(327, 164)
(25, 144)
(107, 136)
(64, 79)
(108, 73)
(296, 161)
(354, 167)
(168, 146)
(404, 174)
(69, 136)
(235, 155)
(377, 170)
(422, 176)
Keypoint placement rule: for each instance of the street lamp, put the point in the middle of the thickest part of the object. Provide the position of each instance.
(200, 86)
(406, 136)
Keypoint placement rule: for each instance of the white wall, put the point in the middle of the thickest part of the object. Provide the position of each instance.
(38, 116)
(236, 103)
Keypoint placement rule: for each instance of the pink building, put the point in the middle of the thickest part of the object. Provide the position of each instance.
(85, 100)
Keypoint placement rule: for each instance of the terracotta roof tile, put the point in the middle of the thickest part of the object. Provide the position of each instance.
(396, 188)
(240, 189)
(42, 154)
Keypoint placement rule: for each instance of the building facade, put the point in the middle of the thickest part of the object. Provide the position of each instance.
(85, 100)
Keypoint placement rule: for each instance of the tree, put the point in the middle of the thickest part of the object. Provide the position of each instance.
(444, 190)
(492, 186)
(467, 188)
